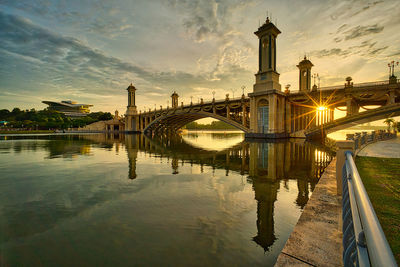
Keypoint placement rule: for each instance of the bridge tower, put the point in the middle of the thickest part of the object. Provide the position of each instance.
(267, 102)
(131, 116)
(305, 75)
(175, 102)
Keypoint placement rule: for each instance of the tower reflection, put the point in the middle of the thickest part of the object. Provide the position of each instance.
(267, 166)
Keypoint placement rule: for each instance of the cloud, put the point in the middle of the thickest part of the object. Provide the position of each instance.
(57, 65)
(359, 31)
(100, 17)
(204, 19)
(352, 8)
(330, 52)
(366, 48)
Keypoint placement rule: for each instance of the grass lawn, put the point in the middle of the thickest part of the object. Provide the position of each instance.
(381, 178)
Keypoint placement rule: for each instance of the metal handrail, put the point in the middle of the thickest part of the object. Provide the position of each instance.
(364, 242)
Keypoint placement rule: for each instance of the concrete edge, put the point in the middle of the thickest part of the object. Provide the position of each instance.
(316, 239)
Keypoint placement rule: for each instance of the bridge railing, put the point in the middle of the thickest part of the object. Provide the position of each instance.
(356, 85)
(364, 243)
(210, 102)
(364, 138)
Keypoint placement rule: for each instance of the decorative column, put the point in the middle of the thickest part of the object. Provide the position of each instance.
(131, 116)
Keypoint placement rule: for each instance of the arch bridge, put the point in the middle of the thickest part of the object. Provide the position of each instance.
(298, 111)
(231, 111)
(269, 112)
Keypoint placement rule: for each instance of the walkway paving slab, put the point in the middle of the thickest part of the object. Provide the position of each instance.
(317, 237)
(382, 149)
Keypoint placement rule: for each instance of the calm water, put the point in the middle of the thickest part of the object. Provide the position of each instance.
(204, 199)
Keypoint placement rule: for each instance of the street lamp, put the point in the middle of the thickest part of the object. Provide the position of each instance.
(233, 93)
(287, 91)
(315, 76)
(213, 93)
(391, 66)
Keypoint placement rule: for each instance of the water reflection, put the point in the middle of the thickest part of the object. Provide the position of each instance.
(266, 166)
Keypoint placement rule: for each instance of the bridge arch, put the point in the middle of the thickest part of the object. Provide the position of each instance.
(383, 112)
(177, 120)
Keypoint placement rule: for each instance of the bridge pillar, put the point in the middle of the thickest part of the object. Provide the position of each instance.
(228, 111)
(174, 98)
(352, 107)
(392, 97)
(287, 116)
(267, 102)
(244, 114)
(305, 75)
(131, 115)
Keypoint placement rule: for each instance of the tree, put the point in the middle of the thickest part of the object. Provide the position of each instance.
(389, 122)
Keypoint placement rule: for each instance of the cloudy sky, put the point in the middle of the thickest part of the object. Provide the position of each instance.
(89, 51)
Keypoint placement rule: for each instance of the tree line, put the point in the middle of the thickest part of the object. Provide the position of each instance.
(215, 125)
(47, 119)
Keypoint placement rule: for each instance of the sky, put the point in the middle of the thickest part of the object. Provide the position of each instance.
(90, 51)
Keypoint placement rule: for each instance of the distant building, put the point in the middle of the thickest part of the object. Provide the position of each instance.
(69, 108)
(117, 124)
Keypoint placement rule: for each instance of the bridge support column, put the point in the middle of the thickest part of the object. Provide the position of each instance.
(228, 111)
(244, 115)
(352, 107)
(287, 118)
(392, 97)
(131, 116)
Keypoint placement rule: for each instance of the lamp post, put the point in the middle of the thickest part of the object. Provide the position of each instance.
(319, 82)
(315, 76)
(391, 66)
(287, 91)
(233, 93)
(213, 93)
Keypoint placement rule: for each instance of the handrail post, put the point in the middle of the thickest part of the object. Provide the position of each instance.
(342, 146)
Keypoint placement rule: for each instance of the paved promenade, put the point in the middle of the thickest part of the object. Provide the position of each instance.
(317, 237)
(383, 149)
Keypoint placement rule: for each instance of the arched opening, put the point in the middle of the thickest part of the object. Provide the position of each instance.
(176, 121)
(263, 116)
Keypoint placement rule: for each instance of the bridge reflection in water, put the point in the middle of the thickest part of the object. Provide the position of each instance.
(265, 165)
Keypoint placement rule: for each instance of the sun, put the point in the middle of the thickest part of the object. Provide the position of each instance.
(321, 108)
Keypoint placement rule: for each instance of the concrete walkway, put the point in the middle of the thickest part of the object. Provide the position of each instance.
(317, 237)
(382, 149)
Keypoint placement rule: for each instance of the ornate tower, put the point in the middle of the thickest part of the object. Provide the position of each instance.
(131, 112)
(305, 75)
(174, 97)
(267, 102)
(267, 78)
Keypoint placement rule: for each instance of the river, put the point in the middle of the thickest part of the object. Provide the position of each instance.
(200, 199)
